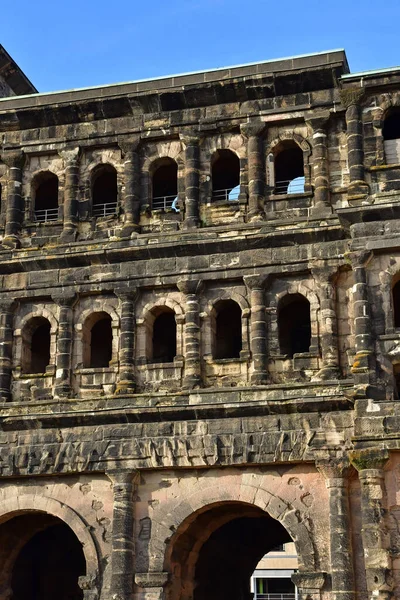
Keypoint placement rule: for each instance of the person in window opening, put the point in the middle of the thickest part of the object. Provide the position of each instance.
(175, 206)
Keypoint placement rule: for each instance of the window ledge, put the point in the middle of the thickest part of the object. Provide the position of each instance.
(296, 355)
(384, 167)
(289, 196)
(219, 361)
(32, 375)
(226, 203)
(86, 370)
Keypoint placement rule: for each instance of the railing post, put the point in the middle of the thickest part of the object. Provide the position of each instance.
(318, 124)
(15, 162)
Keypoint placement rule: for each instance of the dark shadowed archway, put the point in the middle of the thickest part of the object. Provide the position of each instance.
(213, 555)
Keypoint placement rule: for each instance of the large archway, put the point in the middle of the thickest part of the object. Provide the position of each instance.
(41, 558)
(214, 553)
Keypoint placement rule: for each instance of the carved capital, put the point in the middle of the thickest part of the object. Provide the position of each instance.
(151, 580)
(318, 121)
(255, 282)
(127, 293)
(128, 144)
(334, 468)
(369, 458)
(71, 156)
(351, 96)
(122, 477)
(64, 298)
(360, 259)
(309, 581)
(252, 128)
(13, 159)
(190, 138)
(190, 286)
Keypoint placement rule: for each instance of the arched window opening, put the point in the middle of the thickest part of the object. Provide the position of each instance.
(231, 540)
(294, 325)
(104, 191)
(225, 176)
(97, 332)
(289, 170)
(391, 137)
(165, 185)
(164, 337)
(396, 303)
(228, 329)
(36, 346)
(45, 188)
(43, 558)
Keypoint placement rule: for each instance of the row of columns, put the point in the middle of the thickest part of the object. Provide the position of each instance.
(252, 130)
(191, 290)
(338, 473)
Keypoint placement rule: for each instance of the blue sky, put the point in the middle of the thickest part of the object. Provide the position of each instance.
(62, 45)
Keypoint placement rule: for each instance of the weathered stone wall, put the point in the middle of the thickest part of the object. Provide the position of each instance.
(148, 461)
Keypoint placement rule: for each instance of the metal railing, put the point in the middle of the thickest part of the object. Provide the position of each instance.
(284, 596)
(293, 186)
(165, 203)
(47, 214)
(226, 195)
(105, 210)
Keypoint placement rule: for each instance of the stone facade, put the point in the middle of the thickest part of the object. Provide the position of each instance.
(198, 359)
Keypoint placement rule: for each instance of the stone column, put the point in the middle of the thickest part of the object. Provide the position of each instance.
(322, 205)
(370, 464)
(358, 188)
(14, 215)
(258, 330)
(6, 345)
(364, 361)
(126, 379)
(324, 278)
(131, 198)
(123, 549)
(71, 160)
(256, 171)
(336, 472)
(192, 180)
(65, 301)
(191, 289)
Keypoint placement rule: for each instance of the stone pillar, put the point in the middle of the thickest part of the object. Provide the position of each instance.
(258, 332)
(370, 464)
(358, 188)
(14, 214)
(309, 585)
(123, 550)
(6, 345)
(191, 289)
(322, 205)
(364, 363)
(328, 325)
(336, 472)
(126, 379)
(131, 198)
(256, 171)
(66, 301)
(72, 162)
(192, 180)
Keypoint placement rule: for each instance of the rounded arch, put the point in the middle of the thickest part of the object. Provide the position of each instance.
(278, 143)
(81, 316)
(45, 313)
(26, 503)
(227, 295)
(205, 496)
(150, 307)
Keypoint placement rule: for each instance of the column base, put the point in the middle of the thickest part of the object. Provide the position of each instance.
(128, 229)
(125, 388)
(62, 391)
(259, 379)
(321, 210)
(257, 215)
(357, 190)
(11, 241)
(191, 223)
(191, 382)
(68, 234)
(327, 373)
